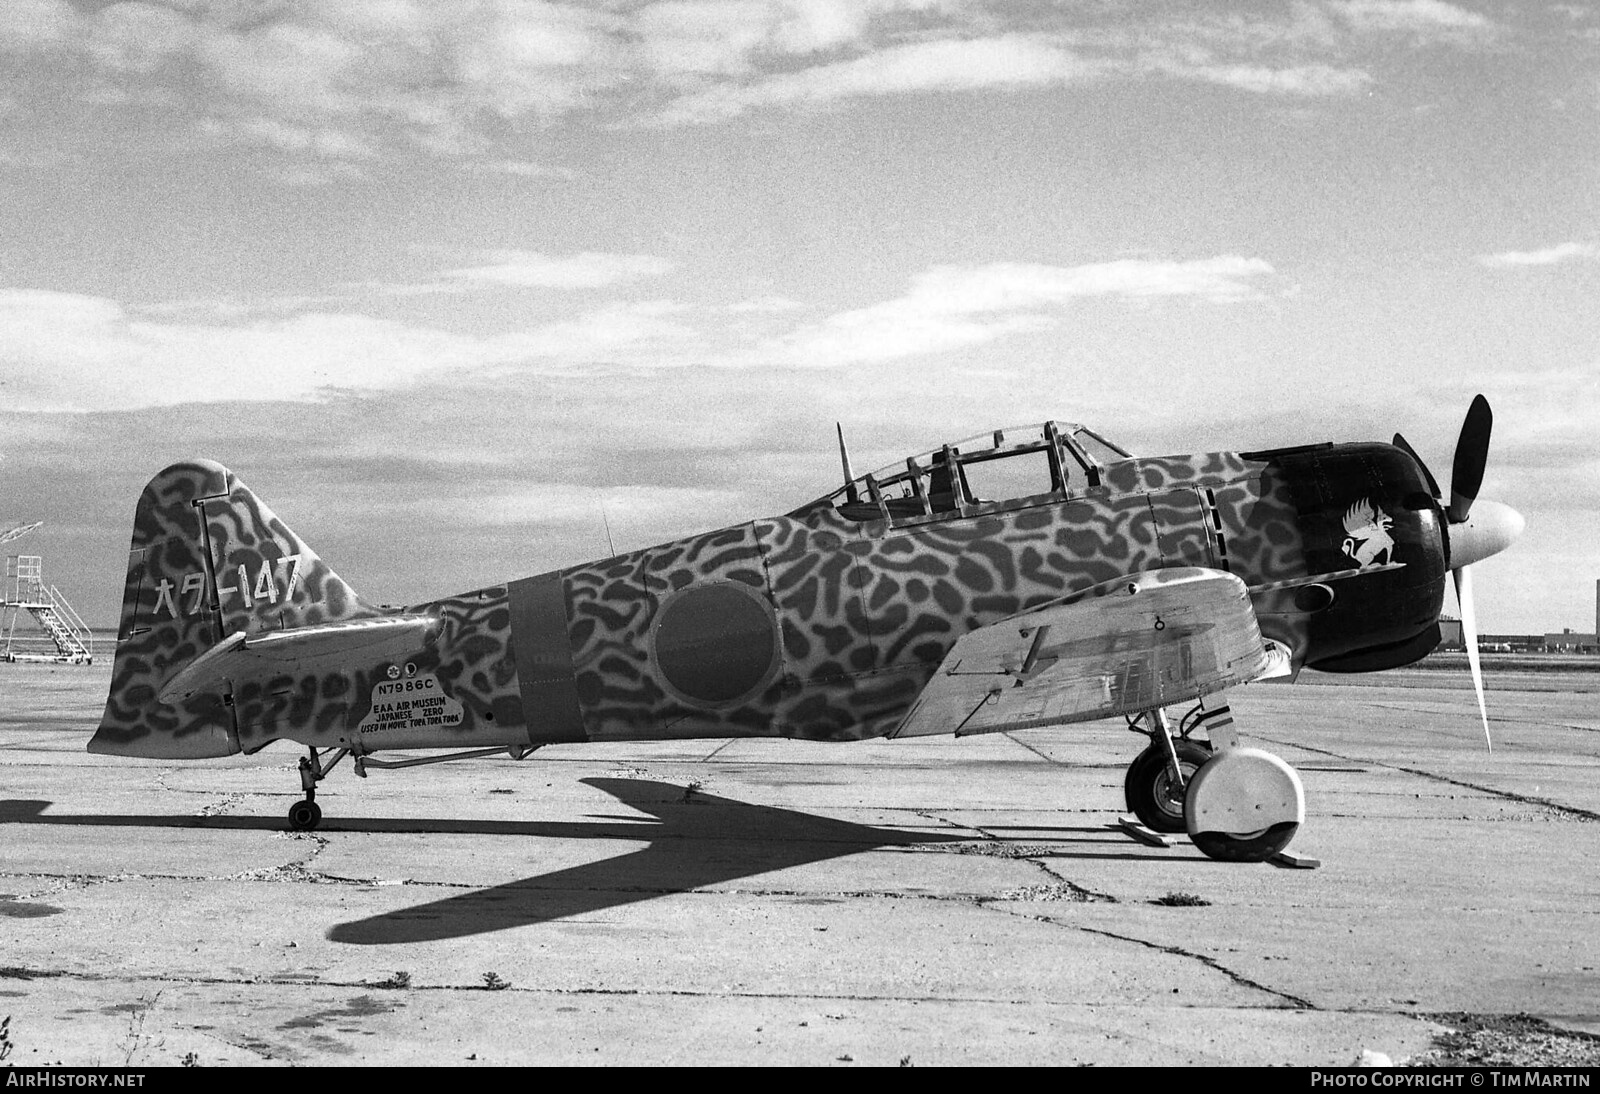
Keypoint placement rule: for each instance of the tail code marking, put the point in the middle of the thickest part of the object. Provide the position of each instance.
(266, 588)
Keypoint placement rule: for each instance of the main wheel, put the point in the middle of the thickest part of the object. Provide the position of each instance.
(1151, 794)
(1256, 847)
(304, 816)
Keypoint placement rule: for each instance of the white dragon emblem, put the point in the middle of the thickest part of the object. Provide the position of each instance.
(1368, 541)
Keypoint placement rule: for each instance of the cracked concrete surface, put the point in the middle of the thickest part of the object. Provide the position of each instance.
(928, 902)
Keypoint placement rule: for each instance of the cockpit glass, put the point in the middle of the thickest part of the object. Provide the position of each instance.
(1005, 466)
(1015, 475)
(1098, 447)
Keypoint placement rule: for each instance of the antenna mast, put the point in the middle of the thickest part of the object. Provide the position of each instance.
(844, 459)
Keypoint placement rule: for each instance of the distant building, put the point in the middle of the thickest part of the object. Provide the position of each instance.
(1565, 640)
(1449, 633)
(1570, 641)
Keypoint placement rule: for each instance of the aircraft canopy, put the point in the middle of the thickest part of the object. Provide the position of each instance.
(1007, 466)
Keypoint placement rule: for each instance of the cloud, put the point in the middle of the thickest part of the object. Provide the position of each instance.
(1008, 285)
(527, 169)
(29, 25)
(138, 37)
(431, 72)
(950, 65)
(235, 308)
(765, 305)
(694, 36)
(948, 307)
(66, 352)
(500, 269)
(1548, 256)
(1311, 81)
(71, 352)
(566, 503)
(590, 270)
(320, 141)
(333, 81)
(1543, 459)
(1411, 16)
(314, 174)
(648, 333)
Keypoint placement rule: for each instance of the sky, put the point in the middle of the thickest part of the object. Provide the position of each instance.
(462, 288)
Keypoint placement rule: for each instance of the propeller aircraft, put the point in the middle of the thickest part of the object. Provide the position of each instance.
(1026, 577)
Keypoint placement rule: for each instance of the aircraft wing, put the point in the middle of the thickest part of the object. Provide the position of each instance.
(1140, 642)
(241, 658)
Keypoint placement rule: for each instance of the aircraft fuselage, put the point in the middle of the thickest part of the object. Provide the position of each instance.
(816, 625)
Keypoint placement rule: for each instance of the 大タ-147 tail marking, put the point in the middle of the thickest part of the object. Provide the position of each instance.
(1025, 577)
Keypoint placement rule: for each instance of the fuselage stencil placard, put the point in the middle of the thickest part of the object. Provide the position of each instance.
(416, 702)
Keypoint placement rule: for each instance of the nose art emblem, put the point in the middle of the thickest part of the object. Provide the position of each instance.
(1367, 540)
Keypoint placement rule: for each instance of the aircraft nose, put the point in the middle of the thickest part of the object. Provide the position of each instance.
(1489, 529)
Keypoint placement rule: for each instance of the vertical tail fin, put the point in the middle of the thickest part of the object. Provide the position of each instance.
(208, 560)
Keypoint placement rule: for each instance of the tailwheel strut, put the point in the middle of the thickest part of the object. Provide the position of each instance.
(306, 815)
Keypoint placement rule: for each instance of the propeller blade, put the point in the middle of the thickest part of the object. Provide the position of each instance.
(1472, 454)
(1469, 635)
(1433, 483)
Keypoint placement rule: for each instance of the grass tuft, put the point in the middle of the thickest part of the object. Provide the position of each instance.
(1182, 900)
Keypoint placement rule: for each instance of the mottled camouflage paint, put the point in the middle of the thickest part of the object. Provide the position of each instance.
(181, 599)
(261, 577)
(868, 610)
(861, 613)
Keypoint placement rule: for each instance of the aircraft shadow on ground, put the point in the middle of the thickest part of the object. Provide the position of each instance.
(692, 839)
(695, 839)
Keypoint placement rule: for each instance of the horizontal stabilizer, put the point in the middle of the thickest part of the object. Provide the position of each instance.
(245, 658)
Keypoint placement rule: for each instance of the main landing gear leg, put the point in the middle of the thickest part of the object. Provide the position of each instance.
(306, 815)
(1158, 779)
(1237, 804)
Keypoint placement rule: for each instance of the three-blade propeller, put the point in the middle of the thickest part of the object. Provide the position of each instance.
(1475, 529)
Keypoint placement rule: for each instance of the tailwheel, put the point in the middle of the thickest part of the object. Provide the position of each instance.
(1152, 794)
(1255, 847)
(304, 815)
